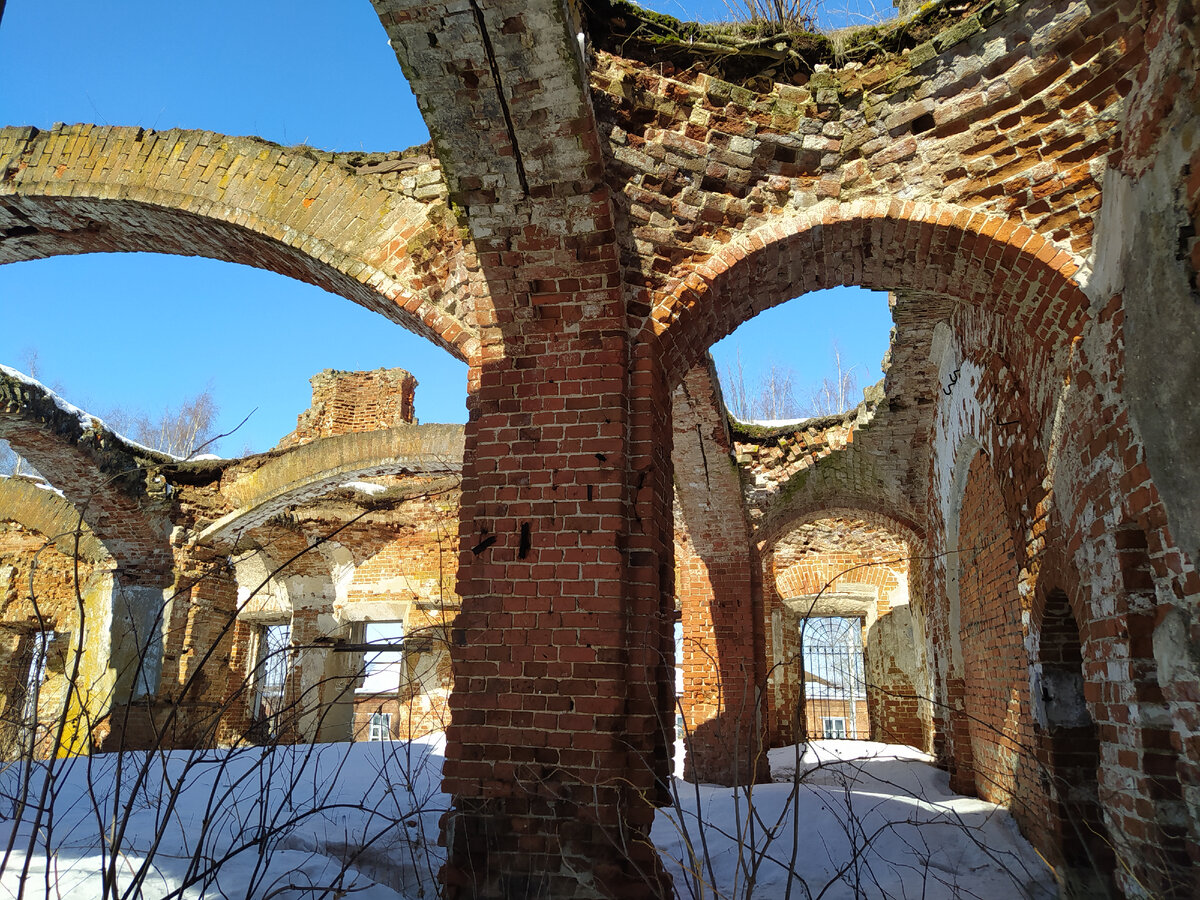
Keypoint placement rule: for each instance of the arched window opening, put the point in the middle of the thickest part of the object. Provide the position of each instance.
(150, 336)
(827, 573)
(835, 686)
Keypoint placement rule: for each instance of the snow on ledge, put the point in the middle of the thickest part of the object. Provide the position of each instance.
(87, 421)
(40, 483)
(364, 487)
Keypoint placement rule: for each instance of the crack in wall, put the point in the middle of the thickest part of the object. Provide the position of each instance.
(508, 120)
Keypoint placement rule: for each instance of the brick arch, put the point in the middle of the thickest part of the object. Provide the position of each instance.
(804, 579)
(352, 228)
(117, 487)
(878, 244)
(42, 510)
(792, 574)
(311, 470)
(1123, 620)
(868, 508)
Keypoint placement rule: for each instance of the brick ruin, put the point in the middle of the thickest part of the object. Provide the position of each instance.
(323, 539)
(604, 198)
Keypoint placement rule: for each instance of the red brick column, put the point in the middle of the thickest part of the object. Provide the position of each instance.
(719, 595)
(557, 742)
(785, 674)
(198, 675)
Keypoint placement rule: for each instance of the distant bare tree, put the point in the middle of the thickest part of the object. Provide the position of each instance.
(181, 431)
(837, 393)
(776, 397)
(773, 397)
(733, 386)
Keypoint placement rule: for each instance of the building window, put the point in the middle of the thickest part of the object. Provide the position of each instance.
(270, 675)
(381, 727)
(383, 663)
(834, 728)
(39, 652)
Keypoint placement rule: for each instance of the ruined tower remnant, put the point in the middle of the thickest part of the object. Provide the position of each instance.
(348, 402)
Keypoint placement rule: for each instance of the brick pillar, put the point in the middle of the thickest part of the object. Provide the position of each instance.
(721, 702)
(198, 679)
(320, 693)
(556, 749)
(785, 681)
(892, 675)
(719, 593)
(960, 756)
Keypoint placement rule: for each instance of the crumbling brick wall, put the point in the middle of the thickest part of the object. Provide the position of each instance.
(409, 566)
(897, 701)
(996, 688)
(37, 594)
(346, 402)
(1076, 503)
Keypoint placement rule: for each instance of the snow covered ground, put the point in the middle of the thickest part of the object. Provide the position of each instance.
(860, 820)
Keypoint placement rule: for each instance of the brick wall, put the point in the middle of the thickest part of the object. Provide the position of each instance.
(393, 565)
(347, 402)
(996, 679)
(715, 565)
(897, 693)
(37, 594)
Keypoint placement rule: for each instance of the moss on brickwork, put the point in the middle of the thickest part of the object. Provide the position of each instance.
(759, 54)
(748, 432)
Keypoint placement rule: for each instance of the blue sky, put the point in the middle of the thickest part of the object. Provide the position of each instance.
(144, 331)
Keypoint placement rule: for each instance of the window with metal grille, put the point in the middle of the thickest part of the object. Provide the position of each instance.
(271, 674)
(834, 677)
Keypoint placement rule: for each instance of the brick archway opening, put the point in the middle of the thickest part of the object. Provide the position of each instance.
(853, 566)
(197, 193)
(880, 245)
